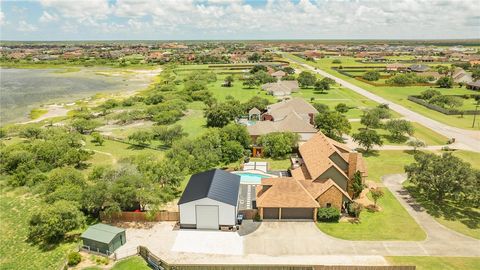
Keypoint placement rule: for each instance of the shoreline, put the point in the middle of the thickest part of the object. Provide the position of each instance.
(60, 106)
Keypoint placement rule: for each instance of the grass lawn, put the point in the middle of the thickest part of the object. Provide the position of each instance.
(380, 163)
(398, 94)
(275, 164)
(193, 122)
(422, 133)
(392, 223)
(15, 252)
(237, 90)
(36, 113)
(137, 263)
(437, 263)
(471, 157)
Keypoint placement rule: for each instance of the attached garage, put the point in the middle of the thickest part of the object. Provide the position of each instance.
(271, 213)
(297, 213)
(210, 200)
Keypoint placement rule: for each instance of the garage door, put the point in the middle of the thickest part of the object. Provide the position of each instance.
(270, 213)
(207, 217)
(297, 213)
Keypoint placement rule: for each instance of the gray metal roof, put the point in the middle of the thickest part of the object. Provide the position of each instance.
(215, 184)
(102, 233)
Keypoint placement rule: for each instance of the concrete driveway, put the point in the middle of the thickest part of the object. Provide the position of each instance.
(208, 242)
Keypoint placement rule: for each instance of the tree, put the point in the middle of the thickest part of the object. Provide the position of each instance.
(97, 138)
(228, 81)
(333, 124)
(255, 57)
(289, 70)
(141, 137)
(278, 144)
(263, 77)
(31, 132)
(429, 94)
(367, 138)
(445, 82)
(376, 193)
(236, 132)
(50, 223)
(321, 108)
(442, 178)
(336, 61)
(306, 79)
(258, 68)
(342, 108)
(168, 134)
(416, 143)
(399, 128)
(370, 119)
(219, 115)
(231, 151)
(250, 82)
(321, 85)
(84, 126)
(371, 75)
(357, 184)
(476, 73)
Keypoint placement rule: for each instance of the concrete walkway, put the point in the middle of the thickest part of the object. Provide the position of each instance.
(470, 138)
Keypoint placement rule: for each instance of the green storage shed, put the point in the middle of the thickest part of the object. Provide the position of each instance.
(103, 238)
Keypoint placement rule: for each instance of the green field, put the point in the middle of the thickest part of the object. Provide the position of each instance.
(437, 263)
(15, 252)
(137, 263)
(392, 223)
(398, 94)
(380, 163)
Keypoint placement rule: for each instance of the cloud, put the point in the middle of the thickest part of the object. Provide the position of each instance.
(84, 10)
(23, 26)
(48, 17)
(2, 18)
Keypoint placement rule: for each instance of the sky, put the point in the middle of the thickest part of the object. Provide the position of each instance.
(238, 19)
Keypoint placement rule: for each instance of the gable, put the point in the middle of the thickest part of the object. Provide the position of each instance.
(338, 177)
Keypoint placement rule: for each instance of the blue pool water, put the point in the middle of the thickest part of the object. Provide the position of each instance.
(251, 178)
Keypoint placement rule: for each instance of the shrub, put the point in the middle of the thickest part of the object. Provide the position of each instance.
(371, 76)
(256, 217)
(329, 214)
(354, 209)
(74, 258)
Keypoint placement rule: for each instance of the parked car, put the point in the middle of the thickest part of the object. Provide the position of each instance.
(239, 219)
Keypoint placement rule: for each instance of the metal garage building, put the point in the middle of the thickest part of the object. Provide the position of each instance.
(210, 200)
(103, 238)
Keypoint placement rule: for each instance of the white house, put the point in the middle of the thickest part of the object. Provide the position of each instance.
(210, 200)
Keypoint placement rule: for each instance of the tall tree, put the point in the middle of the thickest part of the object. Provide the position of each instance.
(333, 124)
(367, 138)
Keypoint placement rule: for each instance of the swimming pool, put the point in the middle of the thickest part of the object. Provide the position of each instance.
(251, 178)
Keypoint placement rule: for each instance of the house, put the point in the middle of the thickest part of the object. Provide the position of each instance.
(279, 74)
(396, 67)
(418, 68)
(321, 177)
(210, 200)
(281, 88)
(103, 238)
(461, 76)
(254, 113)
(474, 85)
(294, 115)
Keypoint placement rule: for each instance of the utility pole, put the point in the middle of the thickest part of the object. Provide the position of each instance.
(475, 116)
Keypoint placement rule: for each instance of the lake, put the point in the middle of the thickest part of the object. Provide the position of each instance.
(21, 90)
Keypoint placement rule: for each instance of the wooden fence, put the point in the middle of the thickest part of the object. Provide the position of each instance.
(156, 263)
(140, 216)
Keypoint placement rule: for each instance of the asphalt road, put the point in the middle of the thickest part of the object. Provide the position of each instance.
(470, 139)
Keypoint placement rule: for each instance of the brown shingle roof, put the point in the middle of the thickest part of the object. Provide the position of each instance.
(292, 123)
(317, 188)
(285, 193)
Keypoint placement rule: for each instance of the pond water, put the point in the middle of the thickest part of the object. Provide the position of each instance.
(24, 89)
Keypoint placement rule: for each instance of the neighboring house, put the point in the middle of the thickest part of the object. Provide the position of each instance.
(103, 238)
(418, 68)
(279, 74)
(474, 85)
(254, 113)
(396, 67)
(461, 76)
(321, 177)
(281, 88)
(294, 115)
(210, 200)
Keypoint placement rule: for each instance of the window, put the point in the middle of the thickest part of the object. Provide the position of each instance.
(329, 205)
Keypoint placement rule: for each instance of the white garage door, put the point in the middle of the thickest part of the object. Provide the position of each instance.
(207, 217)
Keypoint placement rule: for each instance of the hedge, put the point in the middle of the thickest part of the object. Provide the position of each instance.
(437, 108)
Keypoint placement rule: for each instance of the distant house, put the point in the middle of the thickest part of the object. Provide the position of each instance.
(321, 177)
(281, 88)
(103, 238)
(461, 76)
(210, 200)
(396, 67)
(419, 68)
(474, 85)
(294, 115)
(279, 74)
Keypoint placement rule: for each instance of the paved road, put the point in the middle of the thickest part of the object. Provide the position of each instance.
(469, 138)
